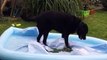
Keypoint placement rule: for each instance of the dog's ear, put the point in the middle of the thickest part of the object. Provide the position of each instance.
(82, 30)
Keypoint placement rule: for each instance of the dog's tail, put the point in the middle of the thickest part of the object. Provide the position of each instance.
(28, 18)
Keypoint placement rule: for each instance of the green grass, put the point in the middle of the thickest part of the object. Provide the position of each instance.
(97, 24)
(7, 22)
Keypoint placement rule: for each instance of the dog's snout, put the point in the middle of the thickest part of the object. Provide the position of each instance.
(82, 37)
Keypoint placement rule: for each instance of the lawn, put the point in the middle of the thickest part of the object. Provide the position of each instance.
(7, 22)
(97, 24)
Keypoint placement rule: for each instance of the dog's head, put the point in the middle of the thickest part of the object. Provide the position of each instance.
(82, 30)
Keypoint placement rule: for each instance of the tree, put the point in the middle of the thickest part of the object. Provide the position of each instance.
(2, 6)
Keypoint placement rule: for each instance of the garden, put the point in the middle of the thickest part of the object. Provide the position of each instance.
(96, 21)
(18, 35)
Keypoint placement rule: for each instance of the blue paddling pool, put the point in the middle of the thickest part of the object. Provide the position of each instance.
(18, 44)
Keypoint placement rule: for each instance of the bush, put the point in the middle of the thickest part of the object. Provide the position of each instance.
(104, 3)
(38, 6)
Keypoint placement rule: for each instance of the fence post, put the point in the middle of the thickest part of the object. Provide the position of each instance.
(3, 6)
(0, 8)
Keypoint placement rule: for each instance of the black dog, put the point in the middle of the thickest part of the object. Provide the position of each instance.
(61, 22)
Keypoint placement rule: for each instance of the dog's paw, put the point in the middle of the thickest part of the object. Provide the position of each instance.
(67, 49)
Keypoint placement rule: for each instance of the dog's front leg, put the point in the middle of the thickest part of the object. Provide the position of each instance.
(67, 48)
(65, 36)
(45, 38)
(39, 36)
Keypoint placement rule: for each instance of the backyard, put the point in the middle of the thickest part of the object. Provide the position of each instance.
(97, 24)
(20, 39)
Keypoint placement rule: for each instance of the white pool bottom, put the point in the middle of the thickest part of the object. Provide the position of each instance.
(28, 44)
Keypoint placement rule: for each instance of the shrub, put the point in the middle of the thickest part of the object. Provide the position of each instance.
(104, 3)
(38, 6)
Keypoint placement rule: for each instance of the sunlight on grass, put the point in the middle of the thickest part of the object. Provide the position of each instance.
(97, 24)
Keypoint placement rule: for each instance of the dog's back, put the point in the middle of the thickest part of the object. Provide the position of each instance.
(62, 22)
